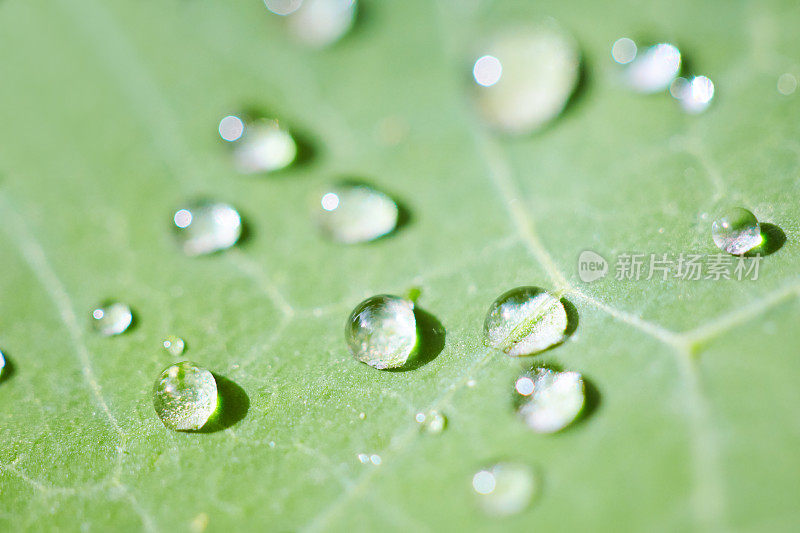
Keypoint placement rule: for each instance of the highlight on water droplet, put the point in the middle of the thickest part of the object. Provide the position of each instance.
(736, 231)
(505, 488)
(524, 321)
(352, 213)
(207, 227)
(112, 318)
(525, 76)
(320, 23)
(624, 50)
(174, 345)
(548, 400)
(694, 94)
(259, 144)
(2, 363)
(382, 331)
(185, 396)
(787, 84)
(654, 69)
(433, 422)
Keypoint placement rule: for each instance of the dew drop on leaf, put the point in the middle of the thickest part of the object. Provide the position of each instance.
(320, 23)
(787, 84)
(737, 231)
(433, 422)
(207, 227)
(112, 319)
(382, 331)
(174, 345)
(525, 76)
(505, 488)
(259, 145)
(654, 69)
(351, 213)
(185, 396)
(548, 400)
(524, 321)
(624, 50)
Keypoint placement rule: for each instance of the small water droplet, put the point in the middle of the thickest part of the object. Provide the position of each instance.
(471, 383)
(174, 345)
(353, 213)
(185, 396)
(505, 489)
(525, 77)
(694, 94)
(363, 457)
(320, 23)
(737, 231)
(271, 444)
(207, 227)
(654, 69)
(382, 331)
(362, 416)
(432, 423)
(524, 321)
(787, 84)
(623, 51)
(375, 459)
(549, 401)
(259, 144)
(112, 319)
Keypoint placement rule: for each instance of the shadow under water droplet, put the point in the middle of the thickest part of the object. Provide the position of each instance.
(232, 406)
(772, 240)
(431, 336)
(572, 318)
(8, 370)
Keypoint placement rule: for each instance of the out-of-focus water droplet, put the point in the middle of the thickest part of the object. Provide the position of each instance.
(787, 84)
(525, 77)
(433, 422)
(524, 321)
(362, 416)
(505, 489)
(261, 146)
(737, 231)
(231, 128)
(549, 400)
(694, 94)
(283, 7)
(320, 23)
(654, 69)
(185, 396)
(623, 51)
(352, 213)
(375, 459)
(207, 227)
(363, 458)
(174, 345)
(112, 319)
(382, 331)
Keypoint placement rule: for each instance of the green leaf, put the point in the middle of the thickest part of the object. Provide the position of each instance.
(110, 111)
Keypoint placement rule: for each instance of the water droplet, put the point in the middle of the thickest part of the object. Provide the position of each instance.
(259, 144)
(362, 416)
(524, 321)
(382, 331)
(526, 76)
(505, 489)
(174, 345)
(207, 227)
(2, 363)
(695, 94)
(432, 423)
(654, 70)
(112, 319)
(737, 231)
(624, 50)
(352, 213)
(363, 458)
(787, 84)
(549, 400)
(375, 459)
(283, 7)
(185, 396)
(320, 23)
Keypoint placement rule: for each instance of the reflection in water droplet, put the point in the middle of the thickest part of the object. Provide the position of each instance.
(382, 331)
(623, 51)
(526, 76)
(207, 227)
(112, 319)
(787, 84)
(432, 423)
(356, 213)
(283, 7)
(695, 94)
(524, 321)
(320, 23)
(185, 396)
(174, 345)
(654, 69)
(737, 231)
(549, 400)
(505, 488)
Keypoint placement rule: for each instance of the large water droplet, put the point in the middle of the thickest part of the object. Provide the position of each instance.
(174, 345)
(207, 227)
(185, 396)
(433, 422)
(654, 69)
(526, 76)
(112, 319)
(382, 331)
(320, 23)
(352, 213)
(737, 231)
(524, 321)
(549, 400)
(694, 94)
(505, 489)
(259, 144)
